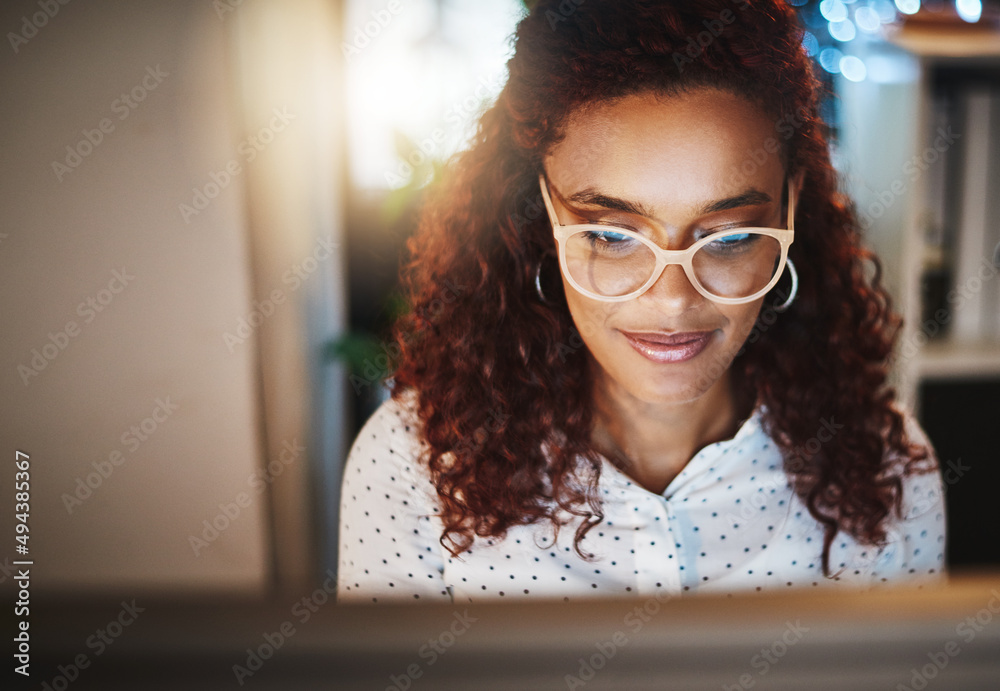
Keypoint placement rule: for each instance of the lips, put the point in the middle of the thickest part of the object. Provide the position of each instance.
(668, 347)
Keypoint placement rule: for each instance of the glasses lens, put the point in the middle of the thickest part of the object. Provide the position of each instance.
(611, 263)
(737, 265)
(608, 263)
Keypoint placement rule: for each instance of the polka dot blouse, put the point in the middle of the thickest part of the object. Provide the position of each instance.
(728, 523)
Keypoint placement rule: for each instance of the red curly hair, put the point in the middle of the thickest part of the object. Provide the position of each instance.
(502, 379)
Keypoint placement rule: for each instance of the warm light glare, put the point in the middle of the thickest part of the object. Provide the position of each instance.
(418, 80)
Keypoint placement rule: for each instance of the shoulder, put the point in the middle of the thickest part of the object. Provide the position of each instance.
(388, 539)
(917, 535)
(387, 454)
(392, 430)
(922, 488)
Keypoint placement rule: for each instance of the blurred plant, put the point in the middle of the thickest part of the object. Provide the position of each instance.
(424, 168)
(359, 350)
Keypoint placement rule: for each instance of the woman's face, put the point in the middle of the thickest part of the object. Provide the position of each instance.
(685, 166)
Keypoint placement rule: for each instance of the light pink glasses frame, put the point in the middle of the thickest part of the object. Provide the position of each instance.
(664, 258)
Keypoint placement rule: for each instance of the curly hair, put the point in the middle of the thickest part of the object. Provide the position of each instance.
(502, 380)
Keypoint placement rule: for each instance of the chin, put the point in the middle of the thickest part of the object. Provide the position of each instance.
(672, 382)
(675, 392)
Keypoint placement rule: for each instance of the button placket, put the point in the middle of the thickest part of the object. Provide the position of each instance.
(658, 564)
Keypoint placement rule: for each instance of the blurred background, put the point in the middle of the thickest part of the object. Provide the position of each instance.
(205, 204)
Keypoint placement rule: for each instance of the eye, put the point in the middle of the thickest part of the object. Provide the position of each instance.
(734, 239)
(609, 243)
(608, 237)
(718, 231)
(733, 244)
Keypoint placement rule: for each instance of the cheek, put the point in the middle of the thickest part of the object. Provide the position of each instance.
(741, 319)
(588, 315)
(595, 320)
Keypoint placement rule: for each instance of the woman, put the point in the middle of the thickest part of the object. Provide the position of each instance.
(645, 355)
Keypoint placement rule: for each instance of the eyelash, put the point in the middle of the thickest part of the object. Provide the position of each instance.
(699, 233)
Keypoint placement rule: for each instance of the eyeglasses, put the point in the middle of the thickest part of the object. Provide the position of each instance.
(610, 263)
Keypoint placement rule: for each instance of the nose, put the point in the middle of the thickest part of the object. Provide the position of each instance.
(672, 291)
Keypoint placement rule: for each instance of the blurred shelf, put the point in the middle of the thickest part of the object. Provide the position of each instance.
(954, 360)
(948, 41)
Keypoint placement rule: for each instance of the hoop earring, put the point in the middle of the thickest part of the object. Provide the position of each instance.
(795, 287)
(538, 284)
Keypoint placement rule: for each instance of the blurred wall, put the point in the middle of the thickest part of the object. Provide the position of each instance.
(168, 262)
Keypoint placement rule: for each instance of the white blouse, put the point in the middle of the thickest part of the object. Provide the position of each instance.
(728, 523)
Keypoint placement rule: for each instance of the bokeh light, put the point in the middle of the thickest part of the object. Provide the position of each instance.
(843, 31)
(810, 43)
(853, 68)
(829, 60)
(833, 10)
(969, 10)
(867, 19)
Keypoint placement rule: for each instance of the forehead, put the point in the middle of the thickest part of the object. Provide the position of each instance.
(697, 144)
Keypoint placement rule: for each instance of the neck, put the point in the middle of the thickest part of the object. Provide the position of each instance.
(653, 441)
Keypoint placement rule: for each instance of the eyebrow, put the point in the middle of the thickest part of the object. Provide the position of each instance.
(751, 197)
(591, 198)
